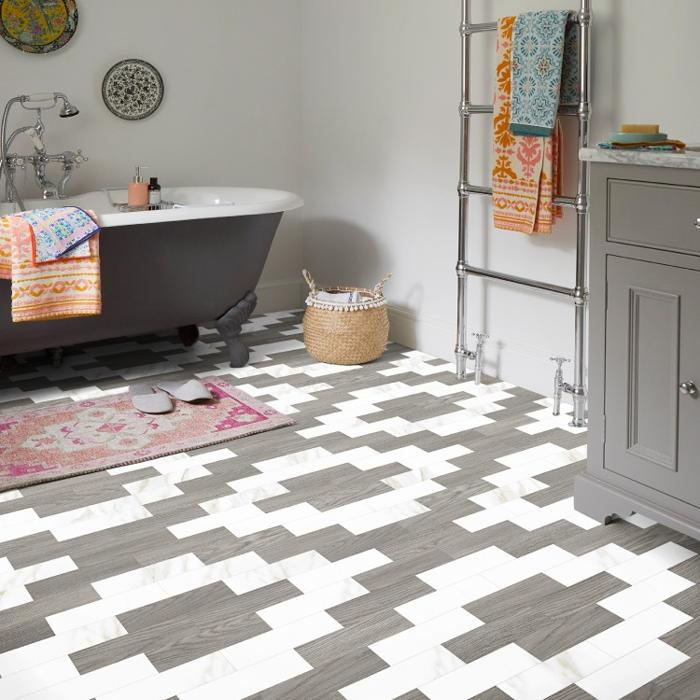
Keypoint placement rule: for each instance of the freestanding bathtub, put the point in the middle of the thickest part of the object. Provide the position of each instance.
(198, 262)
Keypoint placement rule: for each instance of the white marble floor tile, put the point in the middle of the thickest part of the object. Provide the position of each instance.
(7, 496)
(427, 635)
(384, 517)
(307, 604)
(465, 567)
(100, 682)
(640, 521)
(159, 488)
(510, 492)
(547, 462)
(552, 513)
(92, 613)
(339, 570)
(405, 676)
(178, 679)
(62, 644)
(36, 572)
(196, 526)
(645, 594)
(281, 639)
(555, 674)
(634, 632)
(94, 518)
(153, 573)
(588, 565)
(652, 562)
(222, 570)
(14, 597)
(357, 516)
(265, 521)
(625, 675)
(19, 523)
(424, 608)
(40, 677)
(5, 566)
(468, 680)
(268, 574)
(536, 562)
(251, 680)
(523, 458)
(236, 500)
(508, 511)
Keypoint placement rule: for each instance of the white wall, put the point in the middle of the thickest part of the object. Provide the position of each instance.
(353, 104)
(381, 89)
(231, 113)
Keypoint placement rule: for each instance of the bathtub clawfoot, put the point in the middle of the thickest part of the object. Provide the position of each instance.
(56, 356)
(188, 335)
(230, 326)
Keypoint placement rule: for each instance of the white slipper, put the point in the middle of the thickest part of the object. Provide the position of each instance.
(190, 391)
(149, 400)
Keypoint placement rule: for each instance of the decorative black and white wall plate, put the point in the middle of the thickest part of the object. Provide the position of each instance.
(132, 89)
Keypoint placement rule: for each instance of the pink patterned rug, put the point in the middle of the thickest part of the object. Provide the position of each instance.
(55, 442)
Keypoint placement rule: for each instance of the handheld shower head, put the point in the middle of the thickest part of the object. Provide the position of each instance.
(68, 110)
(48, 100)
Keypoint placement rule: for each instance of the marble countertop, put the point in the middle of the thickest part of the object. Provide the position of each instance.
(689, 159)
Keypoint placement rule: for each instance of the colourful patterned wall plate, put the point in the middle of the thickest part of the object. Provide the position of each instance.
(38, 26)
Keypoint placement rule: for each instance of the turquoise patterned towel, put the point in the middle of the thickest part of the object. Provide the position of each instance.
(545, 70)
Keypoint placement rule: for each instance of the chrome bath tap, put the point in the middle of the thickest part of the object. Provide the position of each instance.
(40, 159)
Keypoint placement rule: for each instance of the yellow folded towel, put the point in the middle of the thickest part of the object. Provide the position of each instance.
(640, 129)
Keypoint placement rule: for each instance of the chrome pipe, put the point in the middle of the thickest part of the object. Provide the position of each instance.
(481, 339)
(558, 383)
(582, 212)
(468, 28)
(466, 189)
(461, 349)
(564, 110)
(523, 281)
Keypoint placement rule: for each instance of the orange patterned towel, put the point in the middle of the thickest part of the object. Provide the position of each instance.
(62, 288)
(526, 172)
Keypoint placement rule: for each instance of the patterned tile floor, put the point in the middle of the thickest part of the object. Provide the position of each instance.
(412, 536)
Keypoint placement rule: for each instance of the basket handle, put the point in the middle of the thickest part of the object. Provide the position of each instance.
(379, 287)
(309, 280)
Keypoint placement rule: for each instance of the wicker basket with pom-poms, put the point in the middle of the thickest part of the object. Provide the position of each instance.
(351, 333)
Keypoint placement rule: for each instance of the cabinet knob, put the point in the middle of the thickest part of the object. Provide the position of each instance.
(689, 389)
(697, 223)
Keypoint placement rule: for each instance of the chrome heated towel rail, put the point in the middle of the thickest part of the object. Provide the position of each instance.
(578, 293)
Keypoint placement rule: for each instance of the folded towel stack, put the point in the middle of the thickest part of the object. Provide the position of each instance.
(52, 258)
(642, 137)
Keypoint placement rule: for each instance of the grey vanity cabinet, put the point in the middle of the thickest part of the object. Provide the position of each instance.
(652, 346)
(644, 375)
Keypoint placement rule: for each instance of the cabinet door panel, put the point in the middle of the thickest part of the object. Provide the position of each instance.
(652, 345)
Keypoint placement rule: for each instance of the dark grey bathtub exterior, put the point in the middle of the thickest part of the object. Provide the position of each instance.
(160, 276)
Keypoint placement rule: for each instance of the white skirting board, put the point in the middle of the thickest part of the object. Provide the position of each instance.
(280, 295)
(524, 365)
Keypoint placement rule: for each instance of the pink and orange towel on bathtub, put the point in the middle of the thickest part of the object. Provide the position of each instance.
(52, 257)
